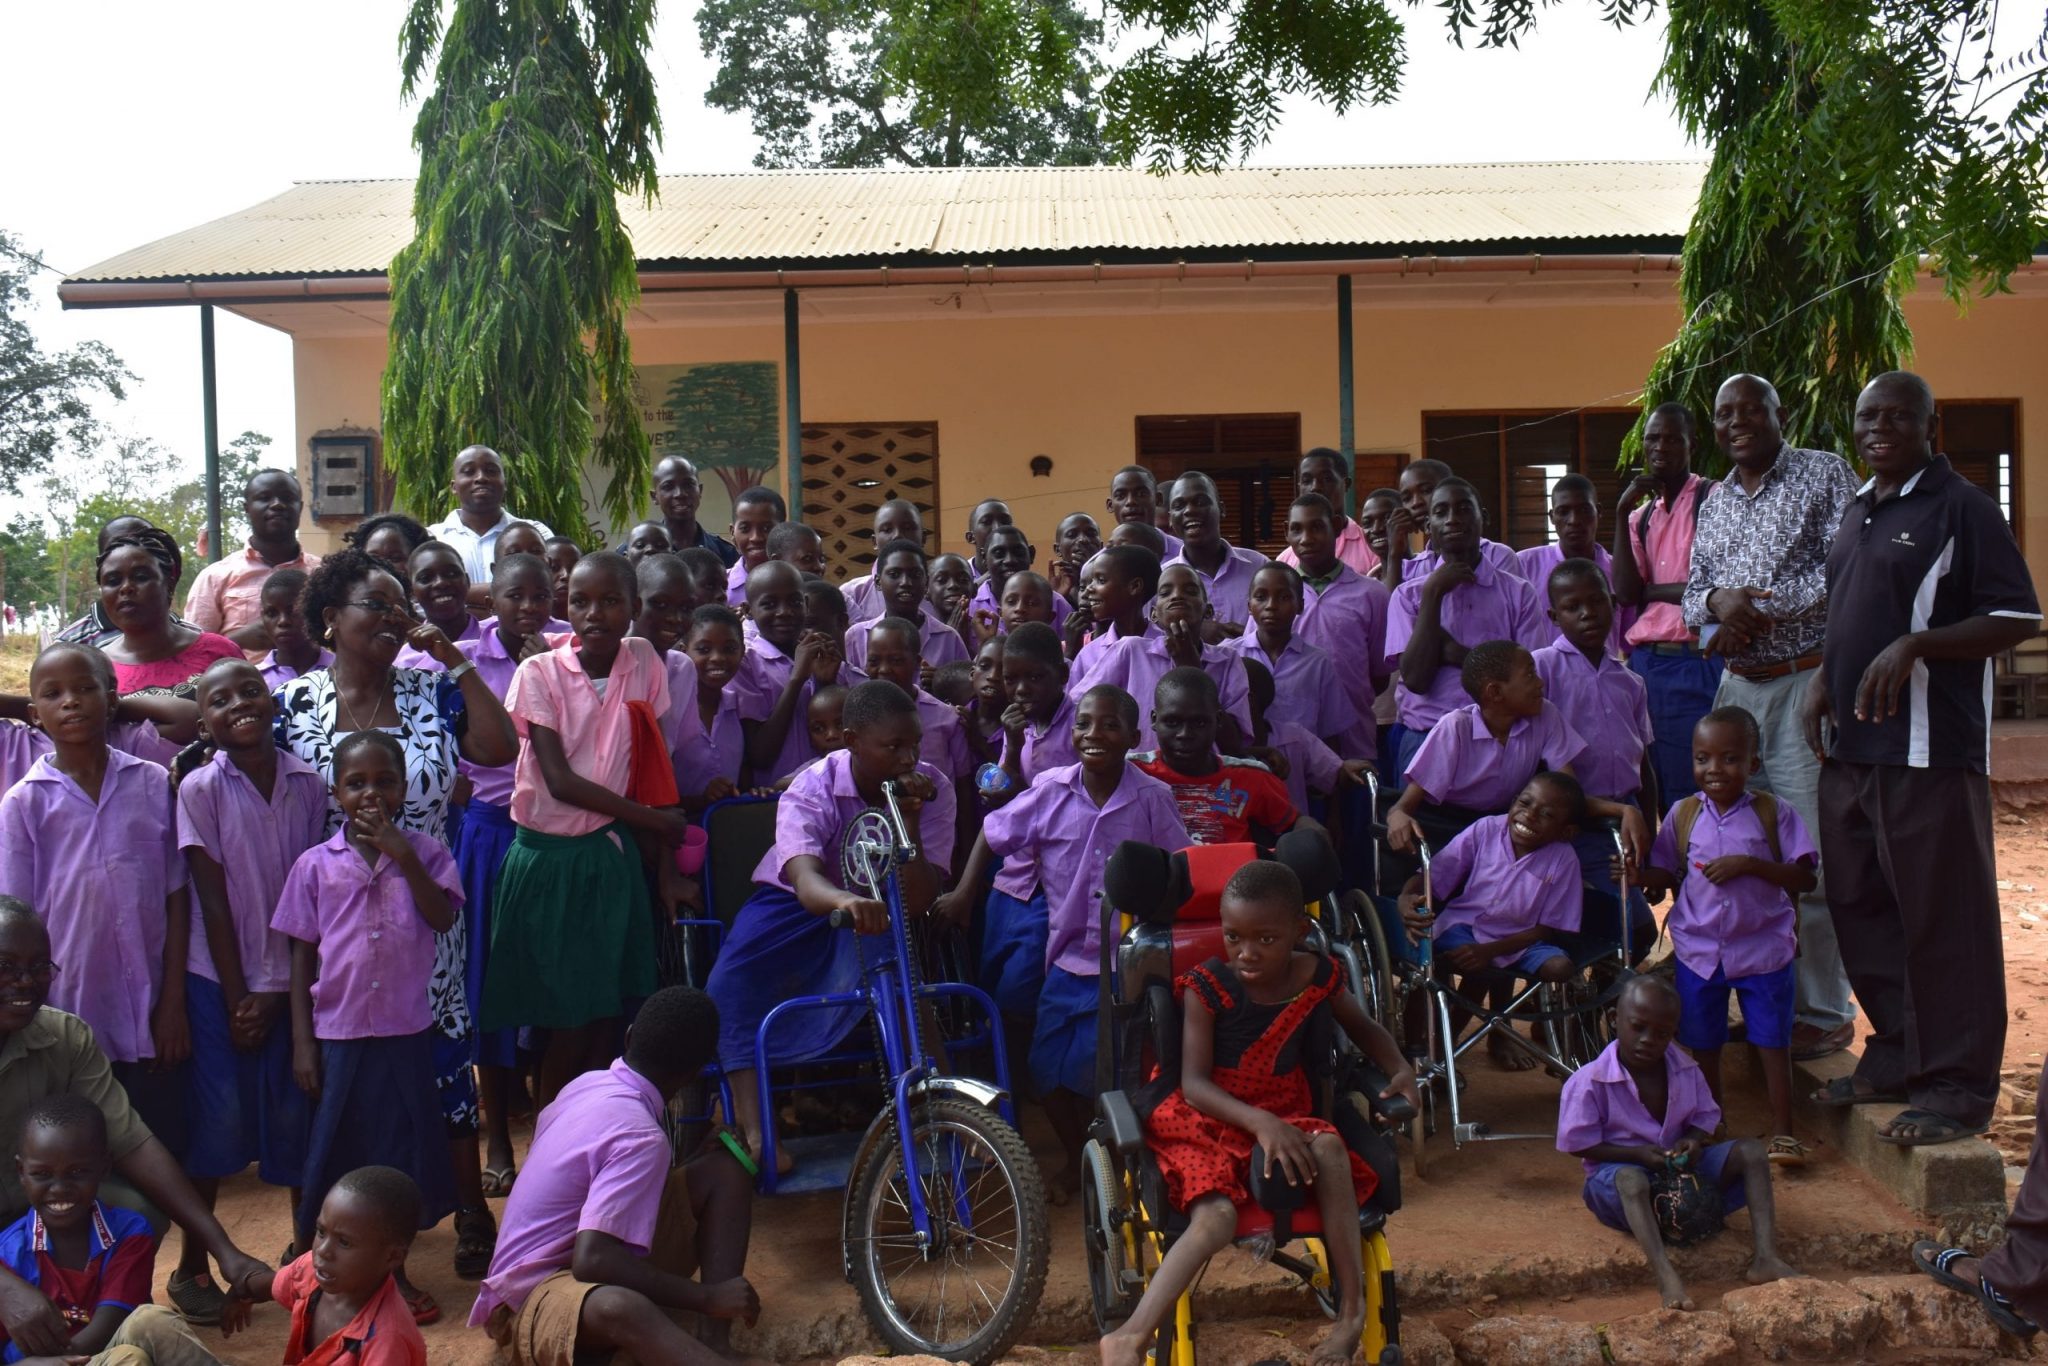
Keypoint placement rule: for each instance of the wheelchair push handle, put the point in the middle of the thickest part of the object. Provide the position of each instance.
(840, 919)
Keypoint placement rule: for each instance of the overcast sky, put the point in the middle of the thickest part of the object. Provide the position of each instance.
(130, 121)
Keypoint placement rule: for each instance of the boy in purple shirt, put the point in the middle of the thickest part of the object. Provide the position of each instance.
(892, 657)
(1065, 827)
(1344, 613)
(1642, 1107)
(1038, 725)
(1137, 663)
(1009, 552)
(783, 664)
(1225, 569)
(1499, 885)
(1418, 484)
(602, 1233)
(1306, 690)
(897, 589)
(710, 767)
(1733, 926)
(1575, 514)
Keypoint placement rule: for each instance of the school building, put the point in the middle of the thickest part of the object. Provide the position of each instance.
(952, 335)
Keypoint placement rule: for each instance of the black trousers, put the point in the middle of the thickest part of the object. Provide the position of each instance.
(2019, 1265)
(1913, 891)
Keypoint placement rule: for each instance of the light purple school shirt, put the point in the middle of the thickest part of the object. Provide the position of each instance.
(1058, 829)
(1086, 657)
(822, 801)
(1498, 894)
(1050, 744)
(938, 643)
(1306, 689)
(1609, 707)
(598, 1162)
(1230, 587)
(1494, 606)
(1501, 557)
(682, 724)
(491, 783)
(716, 752)
(21, 745)
(985, 601)
(736, 583)
(1745, 925)
(410, 658)
(255, 840)
(376, 949)
(944, 744)
(763, 673)
(276, 675)
(99, 875)
(1537, 562)
(1348, 619)
(1461, 764)
(1137, 663)
(862, 599)
(1310, 762)
(1600, 1104)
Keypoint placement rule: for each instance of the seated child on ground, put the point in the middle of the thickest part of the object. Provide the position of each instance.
(782, 942)
(1241, 1012)
(1500, 886)
(603, 1235)
(1734, 924)
(1641, 1110)
(1137, 663)
(1222, 800)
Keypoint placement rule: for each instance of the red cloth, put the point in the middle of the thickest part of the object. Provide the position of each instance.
(652, 779)
(1222, 807)
(181, 667)
(1200, 1155)
(381, 1334)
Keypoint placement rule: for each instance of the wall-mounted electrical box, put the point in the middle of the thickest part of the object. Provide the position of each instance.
(344, 480)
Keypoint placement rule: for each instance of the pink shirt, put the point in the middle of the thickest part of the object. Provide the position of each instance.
(181, 667)
(1496, 605)
(1664, 557)
(1137, 663)
(228, 594)
(939, 644)
(598, 1162)
(276, 674)
(822, 801)
(99, 875)
(1600, 1104)
(376, 949)
(1056, 827)
(1306, 689)
(256, 840)
(552, 690)
(1746, 925)
(1608, 706)
(1461, 764)
(1348, 618)
(1230, 587)
(1352, 549)
(1483, 884)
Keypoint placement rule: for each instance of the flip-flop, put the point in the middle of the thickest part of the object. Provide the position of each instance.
(1841, 1094)
(1934, 1128)
(1786, 1151)
(1934, 1259)
(423, 1308)
(497, 1181)
(2000, 1311)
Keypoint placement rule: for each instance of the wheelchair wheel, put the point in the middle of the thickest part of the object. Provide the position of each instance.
(1375, 962)
(967, 1293)
(1579, 1037)
(1102, 1216)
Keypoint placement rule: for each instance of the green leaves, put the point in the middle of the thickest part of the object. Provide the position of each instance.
(45, 396)
(508, 307)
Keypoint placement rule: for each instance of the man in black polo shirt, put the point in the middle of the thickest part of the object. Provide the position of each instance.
(1925, 585)
(677, 492)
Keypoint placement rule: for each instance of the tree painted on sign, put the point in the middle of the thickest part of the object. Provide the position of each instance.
(725, 420)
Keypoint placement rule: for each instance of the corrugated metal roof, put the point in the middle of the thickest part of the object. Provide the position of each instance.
(356, 226)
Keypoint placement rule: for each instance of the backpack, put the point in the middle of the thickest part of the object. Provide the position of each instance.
(1687, 813)
(1642, 519)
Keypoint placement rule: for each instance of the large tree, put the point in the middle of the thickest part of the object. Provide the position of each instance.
(868, 83)
(508, 308)
(46, 396)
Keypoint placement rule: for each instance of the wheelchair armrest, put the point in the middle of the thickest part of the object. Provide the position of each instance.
(1116, 1124)
(1370, 1081)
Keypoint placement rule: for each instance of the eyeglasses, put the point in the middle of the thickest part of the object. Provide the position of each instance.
(42, 970)
(382, 608)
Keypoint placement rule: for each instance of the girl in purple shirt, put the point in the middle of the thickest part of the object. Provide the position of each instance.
(710, 769)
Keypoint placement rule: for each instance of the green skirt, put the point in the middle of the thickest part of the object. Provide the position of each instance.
(572, 934)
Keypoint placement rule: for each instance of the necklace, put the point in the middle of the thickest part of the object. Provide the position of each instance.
(353, 723)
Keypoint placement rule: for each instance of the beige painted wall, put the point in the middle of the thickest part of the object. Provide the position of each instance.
(1004, 387)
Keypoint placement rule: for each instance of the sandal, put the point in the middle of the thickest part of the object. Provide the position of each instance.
(196, 1298)
(1842, 1093)
(1786, 1151)
(423, 1308)
(2000, 1311)
(1933, 1128)
(290, 1254)
(476, 1238)
(498, 1180)
(1932, 1259)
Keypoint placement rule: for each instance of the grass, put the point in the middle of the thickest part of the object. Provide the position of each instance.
(16, 654)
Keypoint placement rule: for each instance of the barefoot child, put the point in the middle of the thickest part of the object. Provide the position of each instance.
(1733, 926)
(362, 910)
(1242, 1014)
(292, 651)
(244, 818)
(782, 943)
(1642, 1108)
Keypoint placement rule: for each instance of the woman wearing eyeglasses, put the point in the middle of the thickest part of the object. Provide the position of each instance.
(356, 606)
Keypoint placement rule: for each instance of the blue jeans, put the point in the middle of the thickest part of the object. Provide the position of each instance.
(1681, 689)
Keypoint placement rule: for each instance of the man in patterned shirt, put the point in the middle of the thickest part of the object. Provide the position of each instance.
(1757, 593)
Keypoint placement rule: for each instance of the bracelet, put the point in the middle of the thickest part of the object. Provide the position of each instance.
(467, 666)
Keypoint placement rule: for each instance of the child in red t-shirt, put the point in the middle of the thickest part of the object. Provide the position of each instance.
(1221, 800)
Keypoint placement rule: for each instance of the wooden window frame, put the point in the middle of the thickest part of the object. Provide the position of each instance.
(2019, 442)
(1499, 518)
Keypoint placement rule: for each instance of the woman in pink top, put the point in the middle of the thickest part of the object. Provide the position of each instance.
(572, 937)
(137, 573)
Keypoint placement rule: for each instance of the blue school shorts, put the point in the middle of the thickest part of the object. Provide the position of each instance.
(246, 1106)
(1063, 1038)
(1605, 1201)
(1766, 1007)
(1532, 960)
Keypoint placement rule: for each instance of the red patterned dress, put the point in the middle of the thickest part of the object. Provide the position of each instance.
(1257, 1060)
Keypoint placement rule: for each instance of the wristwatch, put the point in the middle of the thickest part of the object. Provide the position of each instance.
(467, 666)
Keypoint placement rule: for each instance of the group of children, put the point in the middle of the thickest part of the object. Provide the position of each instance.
(278, 925)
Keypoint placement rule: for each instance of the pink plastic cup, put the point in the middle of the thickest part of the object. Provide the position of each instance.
(690, 853)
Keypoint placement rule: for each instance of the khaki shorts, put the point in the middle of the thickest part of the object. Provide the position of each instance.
(543, 1332)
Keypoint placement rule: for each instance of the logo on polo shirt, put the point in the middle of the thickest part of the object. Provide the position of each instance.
(1903, 538)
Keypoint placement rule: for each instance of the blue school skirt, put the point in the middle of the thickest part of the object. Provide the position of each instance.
(255, 1111)
(482, 841)
(377, 1109)
(1063, 1039)
(1605, 1201)
(778, 950)
(1013, 939)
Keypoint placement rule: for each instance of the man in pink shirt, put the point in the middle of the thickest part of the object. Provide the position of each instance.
(1652, 556)
(601, 1235)
(1326, 472)
(227, 595)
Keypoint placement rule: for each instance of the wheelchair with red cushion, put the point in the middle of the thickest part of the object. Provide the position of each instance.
(1168, 907)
